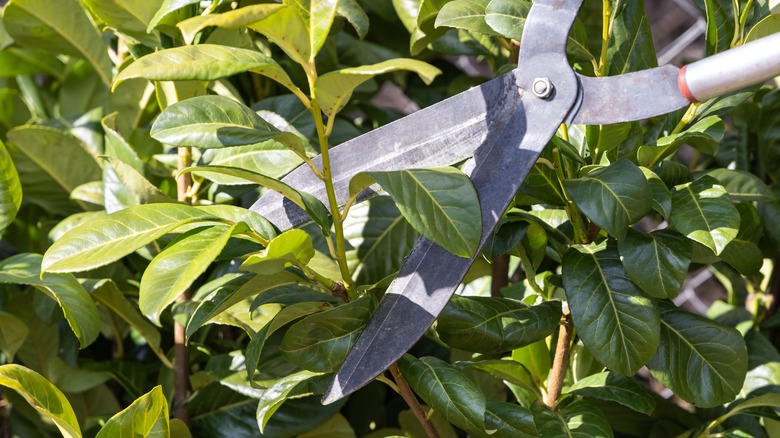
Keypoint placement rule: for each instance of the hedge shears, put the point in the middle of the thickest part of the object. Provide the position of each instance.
(504, 124)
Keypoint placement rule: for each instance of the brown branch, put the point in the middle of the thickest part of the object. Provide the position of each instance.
(181, 370)
(411, 400)
(500, 275)
(560, 362)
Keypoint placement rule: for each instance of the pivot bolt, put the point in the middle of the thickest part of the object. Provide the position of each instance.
(542, 88)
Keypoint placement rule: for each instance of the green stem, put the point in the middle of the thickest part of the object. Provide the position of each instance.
(687, 118)
(737, 33)
(742, 21)
(575, 216)
(606, 34)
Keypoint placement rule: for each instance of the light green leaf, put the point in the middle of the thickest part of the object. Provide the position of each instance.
(70, 295)
(703, 211)
(234, 19)
(379, 239)
(16, 61)
(495, 325)
(509, 420)
(613, 197)
(13, 333)
(466, 14)
(536, 359)
(288, 30)
(656, 262)
(211, 122)
(617, 323)
(116, 146)
(334, 89)
(105, 240)
(765, 400)
(43, 396)
(232, 214)
(720, 27)
(507, 17)
(311, 205)
(291, 247)
(167, 7)
(317, 16)
(147, 416)
(662, 197)
(138, 187)
(508, 371)
(130, 17)
(743, 252)
(703, 362)
(203, 62)
(440, 204)
(59, 27)
(445, 389)
(615, 388)
(743, 186)
(586, 421)
(174, 270)
(10, 189)
(321, 342)
(106, 293)
(704, 136)
(276, 393)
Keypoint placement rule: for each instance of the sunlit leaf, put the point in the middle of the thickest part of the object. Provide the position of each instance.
(147, 416)
(613, 387)
(10, 189)
(703, 211)
(234, 19)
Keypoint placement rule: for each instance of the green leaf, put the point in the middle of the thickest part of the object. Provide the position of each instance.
(70, 295)
(585, 420)
(105, 240)
(703, 362)
(743, 186)
(379, 239)
(234, 19)
(442, 387)
(440, 204)
(334, 89)
(106, 293)
(166, 8)
(743, 252)
(617, 323)
(509, 420)
(354, 14)
(703, 211)
(631, 46)
(770, 400)
(507, 17)
(130, 17)
(233, 215)
(495, 325)
(318, 16)
(311, 205)
(43, 396)
(204, 62)
(116, 146)
(509, 371)
(612, 387)
(211, 122)
(662, 197)
(704, 136)
(147, 416)
(62, 27)
(10, 189)
(276, 393)
(466, 14)
(656, 262)
(291, 247)
(613, 197)
(269, 158)
(548, 422)
(720, 27)
(287, 29)
(321, 342)
(174, 270)
(536, 359)
(13, 333)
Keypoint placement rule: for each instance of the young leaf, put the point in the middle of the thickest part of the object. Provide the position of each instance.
(291, 247)
(617, 323)
(234, 19)
(64, 289)
(466, 14)
(656, 262)
(321, 342)
(318, 16)
(204, 62)
(445, 389)
(743, 186)
(703, 211)
(334, 89)
(287, 29)
(178, 266)
(276, 393)
(105, 240)
(211, 122)
(703, 362)
(62, 27)
(615, 388)
(495, 325)
(10, 189)
(614, 197)
(509, 420)
(311, 205)
(439, 203)
(43, 396)
(704, 136)
(147, 416)
(770, 400)
(232, 214)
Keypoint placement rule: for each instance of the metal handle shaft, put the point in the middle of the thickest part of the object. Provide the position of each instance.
(732, 70)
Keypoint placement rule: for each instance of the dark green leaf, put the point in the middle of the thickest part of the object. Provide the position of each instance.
(656, 262)
(613, 197)
(617, 323)
(701, 361)
(743, 186)
(509, 420)
(703, 211)
(439, 203)
(147, 416)
(447, 391)
(13, 333)
(509, 371)
(495, 325)
(548, 422)
(354, 14)
(704, 136)
(720, 27)
(613, 387)
(585, 420)
(322, 341)
(743, 252)
(631, 46)
(662, 197)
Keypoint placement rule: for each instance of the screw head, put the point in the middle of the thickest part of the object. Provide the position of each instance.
(542, 88)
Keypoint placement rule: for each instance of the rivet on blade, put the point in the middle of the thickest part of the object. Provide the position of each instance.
(542, 88)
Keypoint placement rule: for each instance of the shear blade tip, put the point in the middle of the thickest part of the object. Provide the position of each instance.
(333, 394)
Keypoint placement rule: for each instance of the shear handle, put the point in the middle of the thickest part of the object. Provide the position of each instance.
(732, 70)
